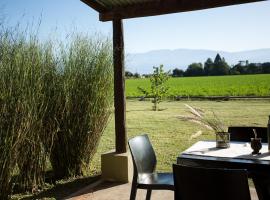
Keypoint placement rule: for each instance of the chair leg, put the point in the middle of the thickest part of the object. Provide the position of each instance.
(262, 185)
(148, 194)
(133, 191)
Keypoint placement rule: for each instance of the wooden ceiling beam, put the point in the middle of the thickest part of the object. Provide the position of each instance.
(159, 7)
(95, 5)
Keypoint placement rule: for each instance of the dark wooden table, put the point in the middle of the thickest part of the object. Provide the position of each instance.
(238, 156)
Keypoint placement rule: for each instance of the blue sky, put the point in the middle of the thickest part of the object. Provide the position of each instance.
(233, 28)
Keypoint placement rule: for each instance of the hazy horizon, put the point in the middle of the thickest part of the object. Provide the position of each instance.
(180, 58)
(218, 50)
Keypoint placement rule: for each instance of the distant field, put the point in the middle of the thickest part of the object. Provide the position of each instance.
(243, 85)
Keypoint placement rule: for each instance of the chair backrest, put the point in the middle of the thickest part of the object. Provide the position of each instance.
(143, 155)
(192, 183)
(243, 134)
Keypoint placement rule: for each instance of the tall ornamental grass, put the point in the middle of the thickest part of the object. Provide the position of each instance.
(54, 105)
(84, 102)
(27, 73)
(37, 96)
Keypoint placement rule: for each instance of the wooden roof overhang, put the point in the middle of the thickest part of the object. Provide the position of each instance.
(115, 11)
(124, 9)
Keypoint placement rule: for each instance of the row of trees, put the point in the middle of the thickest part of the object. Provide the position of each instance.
(252, 68)
(129, 74)
(218, 67)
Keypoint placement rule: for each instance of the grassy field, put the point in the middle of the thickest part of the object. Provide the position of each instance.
(169, 135)
(242, 85)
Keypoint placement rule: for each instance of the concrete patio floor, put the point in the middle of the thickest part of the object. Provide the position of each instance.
(117, 191)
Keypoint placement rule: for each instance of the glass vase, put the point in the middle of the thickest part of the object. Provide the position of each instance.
(222, 140)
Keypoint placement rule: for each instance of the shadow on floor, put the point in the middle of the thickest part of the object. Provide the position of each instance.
(94, 188)
(62, 190)
(118, 191)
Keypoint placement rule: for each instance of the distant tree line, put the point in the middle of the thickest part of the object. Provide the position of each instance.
(218, 67)
(129, 74)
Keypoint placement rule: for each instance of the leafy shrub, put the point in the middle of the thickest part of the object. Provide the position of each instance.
(158, 88)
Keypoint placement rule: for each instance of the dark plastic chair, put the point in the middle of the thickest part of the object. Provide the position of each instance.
(192, 183)
(144, 162)
(243, 134)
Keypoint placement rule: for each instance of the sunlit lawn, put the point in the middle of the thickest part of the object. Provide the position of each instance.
(169, 135)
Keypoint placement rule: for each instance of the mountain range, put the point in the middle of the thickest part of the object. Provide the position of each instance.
(180, 58)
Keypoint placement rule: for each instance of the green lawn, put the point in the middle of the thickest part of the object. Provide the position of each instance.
(241, 85)
(169, 135)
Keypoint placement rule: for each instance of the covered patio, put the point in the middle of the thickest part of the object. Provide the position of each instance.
(117, 164)
(116, 11)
